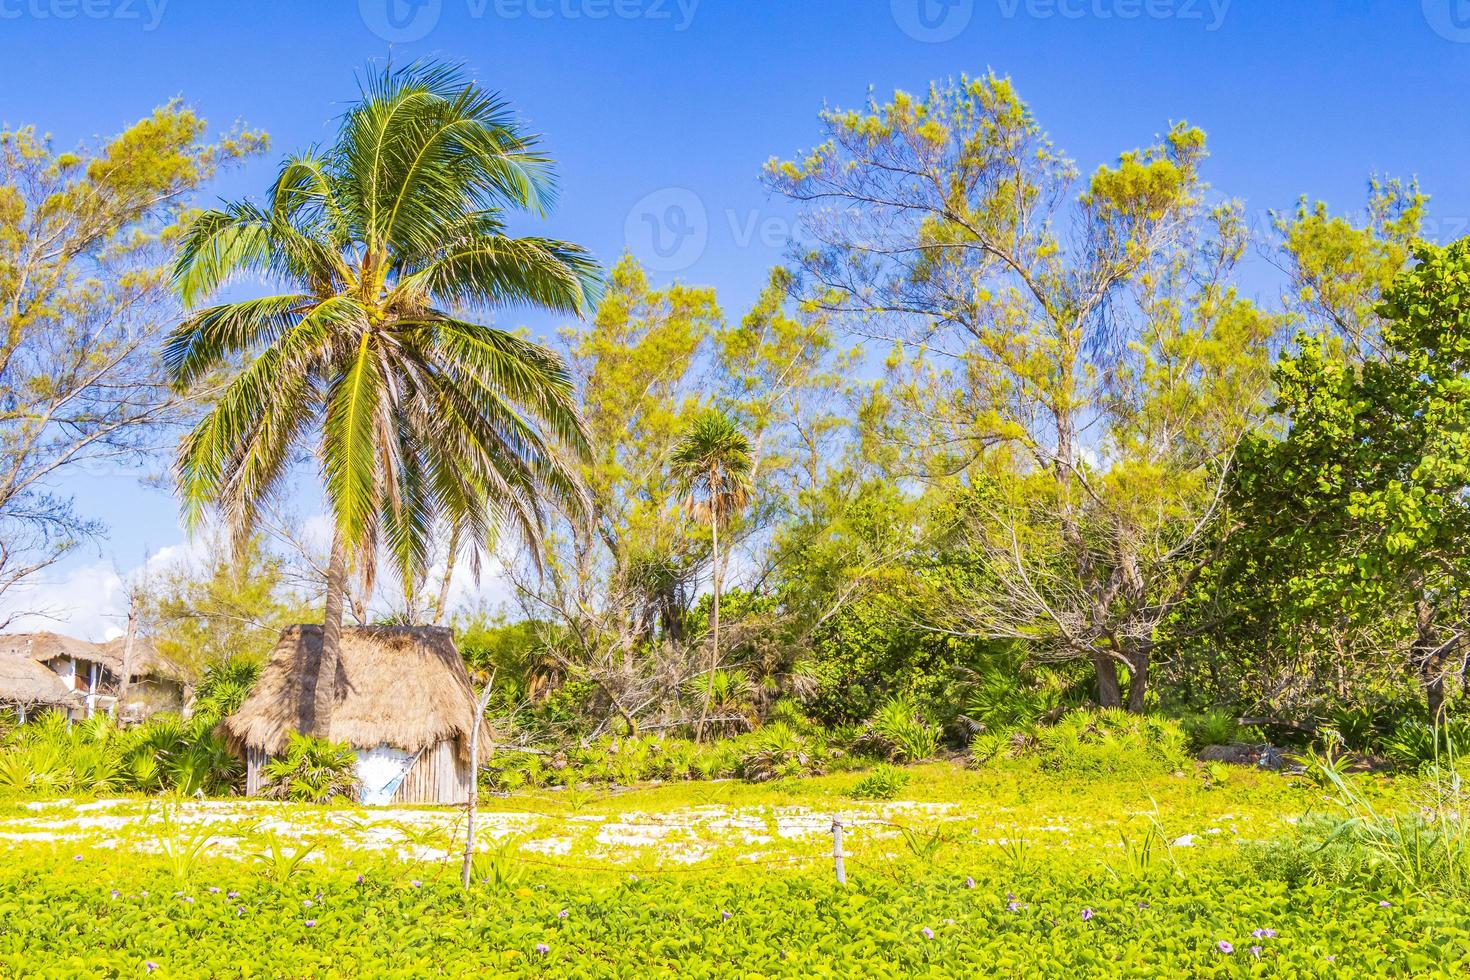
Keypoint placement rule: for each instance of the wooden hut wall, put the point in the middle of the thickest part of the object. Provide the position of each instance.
(439, 776)
(255, 760)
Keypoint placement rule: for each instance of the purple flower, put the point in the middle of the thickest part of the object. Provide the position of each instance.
(1014, 906)
(928, 933)
(232, 895)
(186, 898)
(77, 858)
(1225, 947)
(724, 916)
(969, 882)
(239, 911)
(1087, 915)
(306, 903)
(150, 965)
(144, 894)
(542, 948)
(1256, 952)
(309, 923)
(359, 879)
(416, 883)
(1385, 905)
(562, 914)
(214, 891)
(1264, 933)
(115, 893)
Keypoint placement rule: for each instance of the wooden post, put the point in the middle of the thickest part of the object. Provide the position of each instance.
(837, 853)
(469, 834)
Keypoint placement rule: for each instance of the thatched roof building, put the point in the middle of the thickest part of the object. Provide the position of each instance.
(94, 671)
(53, 647)
(403, 700)
(26, 685)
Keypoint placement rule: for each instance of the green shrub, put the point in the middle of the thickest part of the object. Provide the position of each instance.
(1217, 727)
(899, 732)
(883, 783)
(226, 686)
(1108, 742)
(778, 752)
(313, 770)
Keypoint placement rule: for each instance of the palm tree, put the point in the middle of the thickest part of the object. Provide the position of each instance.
(417, 417)
(712, 464)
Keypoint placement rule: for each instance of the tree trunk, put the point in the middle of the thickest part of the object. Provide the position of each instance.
(714, 625)
(442, 599)
(1137, 680)
(126, 680)
(326, 677)
(1109, 691)
(1428, 660)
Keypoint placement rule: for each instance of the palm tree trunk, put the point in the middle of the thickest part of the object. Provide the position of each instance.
(326, 677)
(442, 599)
(714, 624)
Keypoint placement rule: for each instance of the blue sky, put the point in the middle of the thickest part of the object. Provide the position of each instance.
(663, 111)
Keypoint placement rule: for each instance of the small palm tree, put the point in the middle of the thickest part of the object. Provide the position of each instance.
(712, 464)
(417, 417)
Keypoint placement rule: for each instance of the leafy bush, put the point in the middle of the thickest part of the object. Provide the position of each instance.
(778, 752)
(312, 770)
(1217, 727)
(1107, 742)
(899, 732)
(226, 686)
(49, 757)
(883, 783)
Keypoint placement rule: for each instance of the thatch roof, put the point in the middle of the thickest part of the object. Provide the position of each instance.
(405, 687)
(26, 682)
(49, 646)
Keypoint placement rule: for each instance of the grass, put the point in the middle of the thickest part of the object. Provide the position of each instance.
(992, 872)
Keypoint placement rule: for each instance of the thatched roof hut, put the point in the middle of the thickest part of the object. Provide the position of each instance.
(94, 671)
(51, 647)
(404, 702)
(26, 684)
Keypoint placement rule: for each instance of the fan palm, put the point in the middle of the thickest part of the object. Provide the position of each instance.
(712, 465)
(417, 416)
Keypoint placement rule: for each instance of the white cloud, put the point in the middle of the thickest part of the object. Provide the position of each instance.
(88, 601)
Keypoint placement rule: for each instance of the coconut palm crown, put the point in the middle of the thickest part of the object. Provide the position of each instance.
(380, 241)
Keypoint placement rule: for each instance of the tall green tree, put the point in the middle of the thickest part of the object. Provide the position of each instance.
(1367, 490)
(1070, 360)
(416, 415)
(712, 464)
(85, 239)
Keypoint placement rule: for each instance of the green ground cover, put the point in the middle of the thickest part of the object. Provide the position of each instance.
(992, 873)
